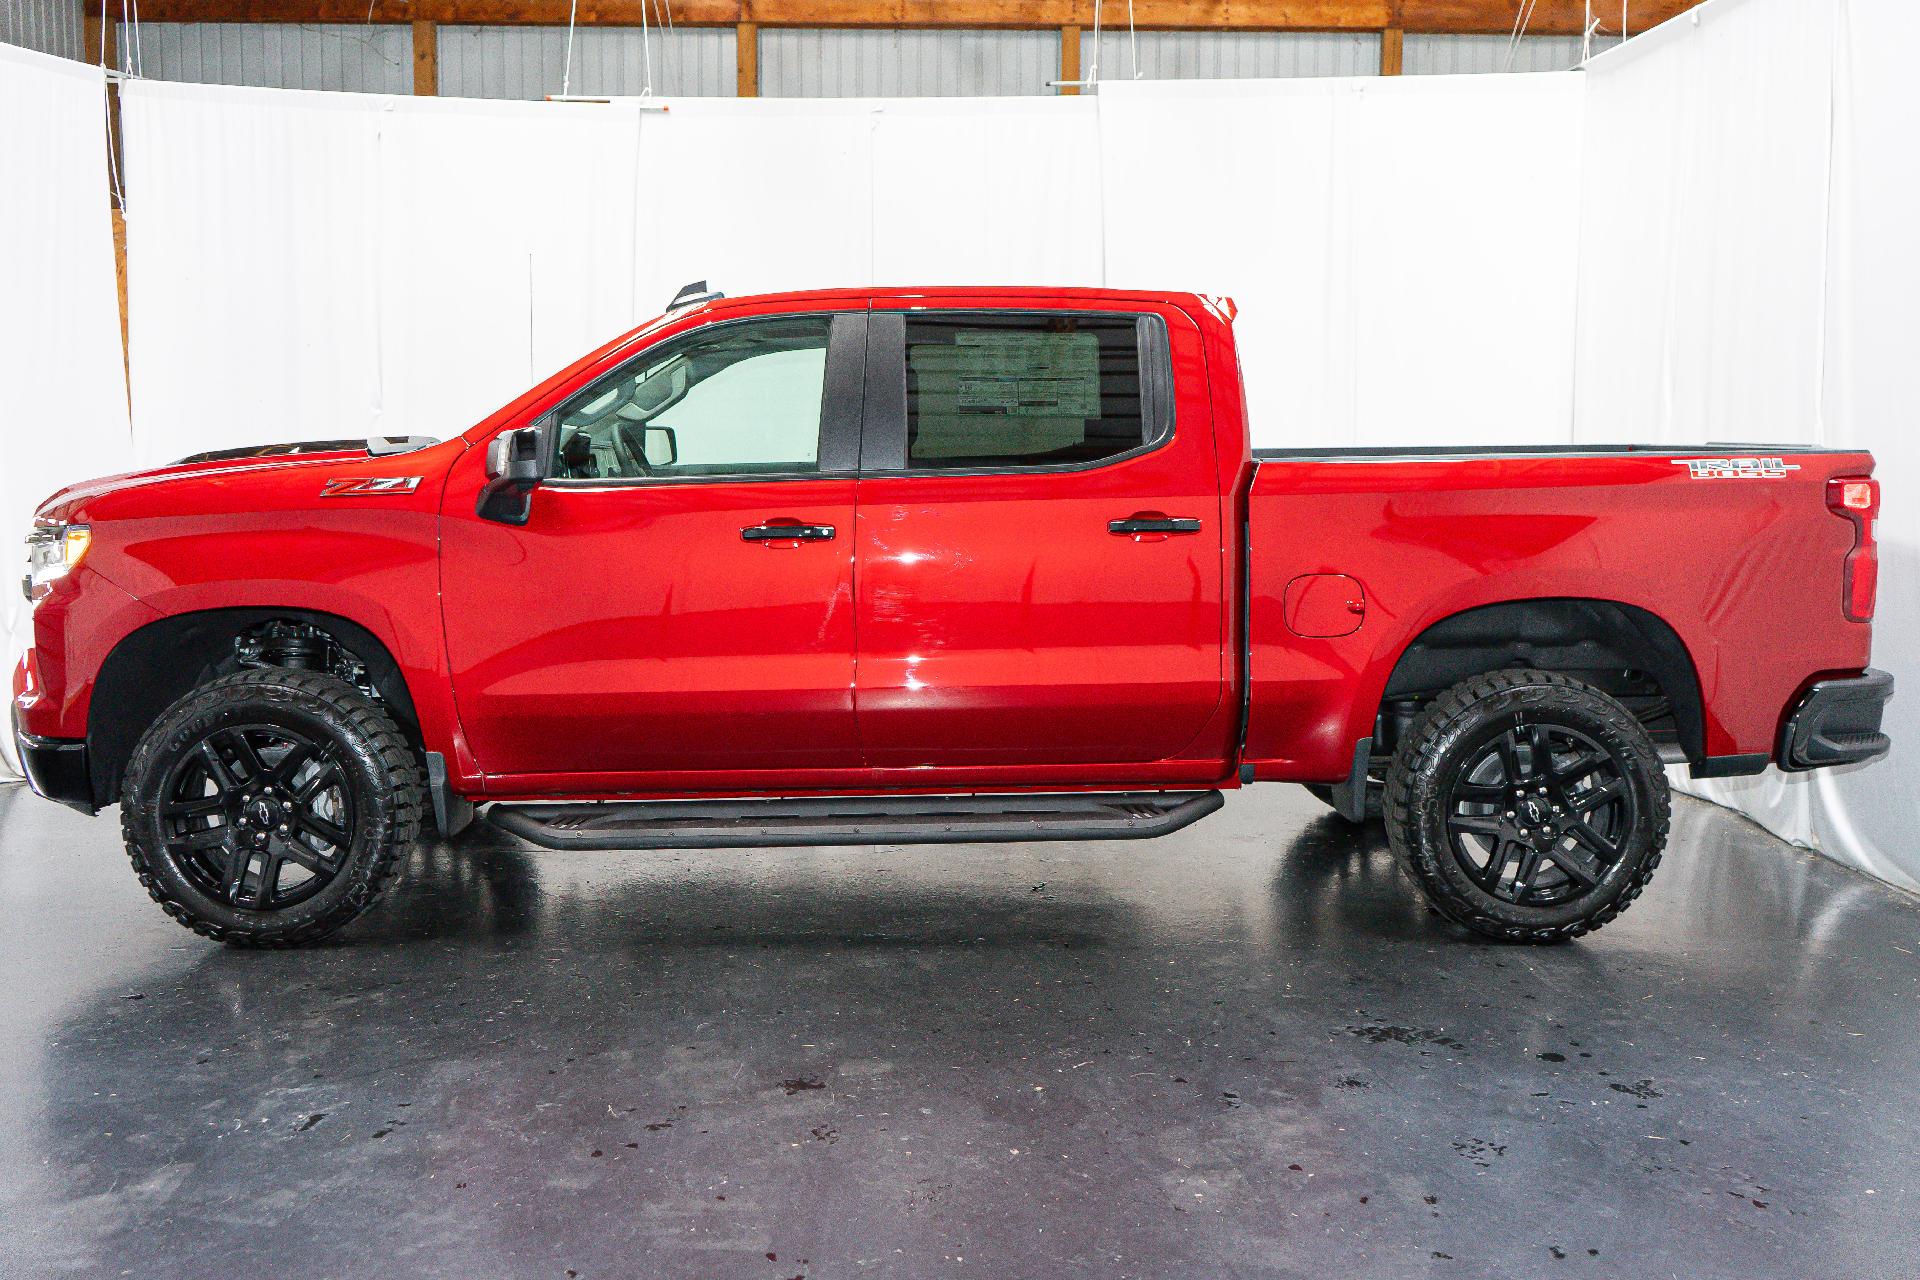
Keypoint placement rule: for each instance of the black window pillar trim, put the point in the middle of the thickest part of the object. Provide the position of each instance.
(1156, 377)
(883, 440)
(843, 392)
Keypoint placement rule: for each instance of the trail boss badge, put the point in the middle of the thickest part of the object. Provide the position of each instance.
(1736, 468)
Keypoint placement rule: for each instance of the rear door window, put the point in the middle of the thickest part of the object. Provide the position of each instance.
(990, 391)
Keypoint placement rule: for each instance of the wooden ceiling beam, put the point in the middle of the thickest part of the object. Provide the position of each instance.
(1550, 17)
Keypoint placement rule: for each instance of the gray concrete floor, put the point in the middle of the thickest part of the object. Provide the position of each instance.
(1246, 1050)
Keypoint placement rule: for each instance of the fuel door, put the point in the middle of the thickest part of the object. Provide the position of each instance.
(1322, 605)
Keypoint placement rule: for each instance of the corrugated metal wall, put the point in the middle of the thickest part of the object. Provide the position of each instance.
(797, 63)
(1434, 55)
(530, 62)
(51, 26)
(278, 55)
(1222, 55)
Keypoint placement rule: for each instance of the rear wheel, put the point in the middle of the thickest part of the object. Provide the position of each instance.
(270, 807)
(1529, 807)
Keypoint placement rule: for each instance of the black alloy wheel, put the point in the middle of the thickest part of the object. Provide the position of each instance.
(1536, 816)
(269, 807)
(258, 816)
(1528, 805)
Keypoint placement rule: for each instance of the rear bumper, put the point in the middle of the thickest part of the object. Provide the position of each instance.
(1837, 722)
(56, 768)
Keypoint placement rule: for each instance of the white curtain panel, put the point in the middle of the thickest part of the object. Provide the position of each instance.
(1704, 227)
(318, 265)
(253, 252)
(755, 201)
(989, 189)
(1866, 816)
(761, 195)
(63, 390)
(323, 265)
(1401, 251)
(1749, 272)
(519, 256)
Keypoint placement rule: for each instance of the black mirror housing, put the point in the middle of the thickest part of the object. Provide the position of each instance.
(517, 461)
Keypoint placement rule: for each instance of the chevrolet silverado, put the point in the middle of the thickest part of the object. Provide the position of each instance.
(926, 566)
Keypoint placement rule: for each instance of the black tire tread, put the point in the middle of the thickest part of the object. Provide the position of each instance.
(406, 786)
(1417, 755)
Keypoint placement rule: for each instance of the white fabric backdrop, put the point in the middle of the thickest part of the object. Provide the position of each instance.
(1748, 272)
(1401, 250)
(313, 265)
(63, 391)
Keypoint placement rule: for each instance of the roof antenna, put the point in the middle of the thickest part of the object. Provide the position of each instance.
(693, 294)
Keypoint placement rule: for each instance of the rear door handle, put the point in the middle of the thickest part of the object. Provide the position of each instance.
(775, 531)
(1154, 524)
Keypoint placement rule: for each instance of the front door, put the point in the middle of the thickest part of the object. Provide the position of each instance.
(1039, 565)
(678, 606)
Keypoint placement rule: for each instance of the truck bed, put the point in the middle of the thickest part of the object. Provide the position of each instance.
(1444, 453)
(1718, 555)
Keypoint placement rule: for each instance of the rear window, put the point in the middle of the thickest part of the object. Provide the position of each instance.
(1030, 390)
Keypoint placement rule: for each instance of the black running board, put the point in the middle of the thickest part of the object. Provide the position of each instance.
(839, 820)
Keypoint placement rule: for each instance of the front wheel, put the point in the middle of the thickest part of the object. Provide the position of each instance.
(1529, 806)
(270, 807)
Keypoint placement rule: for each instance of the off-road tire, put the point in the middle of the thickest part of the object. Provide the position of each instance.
(1428, 763)
(377, 769)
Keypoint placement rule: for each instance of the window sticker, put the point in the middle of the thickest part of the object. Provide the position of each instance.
(1026, 374)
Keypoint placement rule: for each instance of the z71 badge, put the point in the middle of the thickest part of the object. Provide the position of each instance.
(369, 484)
(1736, 468)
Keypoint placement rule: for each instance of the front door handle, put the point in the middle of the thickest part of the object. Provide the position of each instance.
(787, 531)
(1144, 523)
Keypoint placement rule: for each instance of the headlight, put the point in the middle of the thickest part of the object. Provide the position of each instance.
(53, 551)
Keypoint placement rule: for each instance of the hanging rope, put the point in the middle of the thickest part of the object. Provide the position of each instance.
(1133, 42)
(566, 73)
(1520, 21)
(130, 57)
(646, 52)
(1093, 70)
(671, 63)
(113, 160)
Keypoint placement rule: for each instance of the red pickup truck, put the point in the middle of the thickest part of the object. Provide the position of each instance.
(931, 566)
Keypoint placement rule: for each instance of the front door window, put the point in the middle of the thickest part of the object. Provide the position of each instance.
(734, 400)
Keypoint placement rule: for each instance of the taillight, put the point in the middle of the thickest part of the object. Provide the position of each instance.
(1857, 498)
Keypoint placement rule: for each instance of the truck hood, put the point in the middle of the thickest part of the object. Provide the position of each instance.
(375, 447)
(225, 462)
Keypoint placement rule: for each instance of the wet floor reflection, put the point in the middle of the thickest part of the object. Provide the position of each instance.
(1246, 1049)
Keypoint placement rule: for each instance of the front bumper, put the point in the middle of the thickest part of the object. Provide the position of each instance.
(56, 768)
(1837, 722)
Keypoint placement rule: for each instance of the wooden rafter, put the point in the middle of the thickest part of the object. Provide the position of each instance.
(1550, 17)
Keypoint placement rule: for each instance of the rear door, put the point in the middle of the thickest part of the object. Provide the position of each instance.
(1039, 577)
